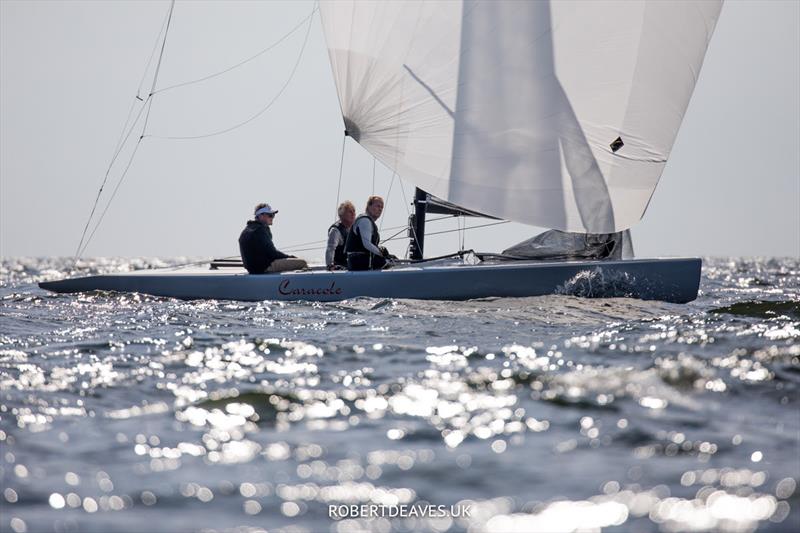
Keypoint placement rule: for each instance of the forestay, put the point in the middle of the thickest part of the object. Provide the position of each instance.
(554, 114)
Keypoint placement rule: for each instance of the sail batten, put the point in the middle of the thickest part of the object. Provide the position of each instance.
(553, 114)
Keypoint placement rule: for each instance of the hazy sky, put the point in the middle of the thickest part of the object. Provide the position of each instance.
(69, 72)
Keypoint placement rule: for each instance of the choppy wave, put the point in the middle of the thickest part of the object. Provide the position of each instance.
(595, 282)
(129, 412)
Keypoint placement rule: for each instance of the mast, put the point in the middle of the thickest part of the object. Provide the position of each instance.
(416, 225)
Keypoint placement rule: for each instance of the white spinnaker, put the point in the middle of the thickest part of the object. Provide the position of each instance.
(511, 108)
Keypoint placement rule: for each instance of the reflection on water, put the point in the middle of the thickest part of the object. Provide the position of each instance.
(137, 413)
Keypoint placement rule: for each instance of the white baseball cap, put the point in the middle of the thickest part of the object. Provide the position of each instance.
(266, 210)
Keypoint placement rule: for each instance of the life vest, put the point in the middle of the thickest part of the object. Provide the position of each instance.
(339, 255)
(354, 243)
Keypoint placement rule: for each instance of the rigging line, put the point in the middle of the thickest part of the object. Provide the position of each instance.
(163, 47)
(105, 180)
(158, 69)
(458, 230)
(148, 104)
(341, 166)
(113, 194)
(405, 201)
(262, 52)
(261, 112)
(386, 202)
(201, 262)
(306, 249)
(305, 244)
(395, 235)
(405, 227)
(437, 258)
(373, 175)
(153, 52)
(123, 136)
(296, 247)
(402, 227)
(458, 234)
(144, 76)
(138, 97)
(470, 227)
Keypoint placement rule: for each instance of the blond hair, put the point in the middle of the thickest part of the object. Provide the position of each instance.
(347, 205)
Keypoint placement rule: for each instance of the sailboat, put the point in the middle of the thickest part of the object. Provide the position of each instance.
(552, 114)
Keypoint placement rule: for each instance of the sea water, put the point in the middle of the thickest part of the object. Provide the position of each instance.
(126, 412)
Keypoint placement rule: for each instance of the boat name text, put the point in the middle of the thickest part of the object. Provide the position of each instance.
(286, 290)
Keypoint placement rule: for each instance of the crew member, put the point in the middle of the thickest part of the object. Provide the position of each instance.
(259, 254)
(363, 252)
(335, 257)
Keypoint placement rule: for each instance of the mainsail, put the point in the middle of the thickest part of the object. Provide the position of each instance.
(554, 114)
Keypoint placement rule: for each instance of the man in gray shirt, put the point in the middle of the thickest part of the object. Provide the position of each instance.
(335, 256)
(363, 252)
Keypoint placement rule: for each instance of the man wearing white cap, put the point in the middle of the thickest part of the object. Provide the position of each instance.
(259, 254)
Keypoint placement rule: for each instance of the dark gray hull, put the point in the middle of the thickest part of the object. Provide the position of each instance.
(671, 280)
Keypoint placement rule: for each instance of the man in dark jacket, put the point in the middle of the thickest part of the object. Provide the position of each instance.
(259, 254)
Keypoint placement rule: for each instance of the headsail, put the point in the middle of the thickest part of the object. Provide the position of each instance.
(554, 114)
